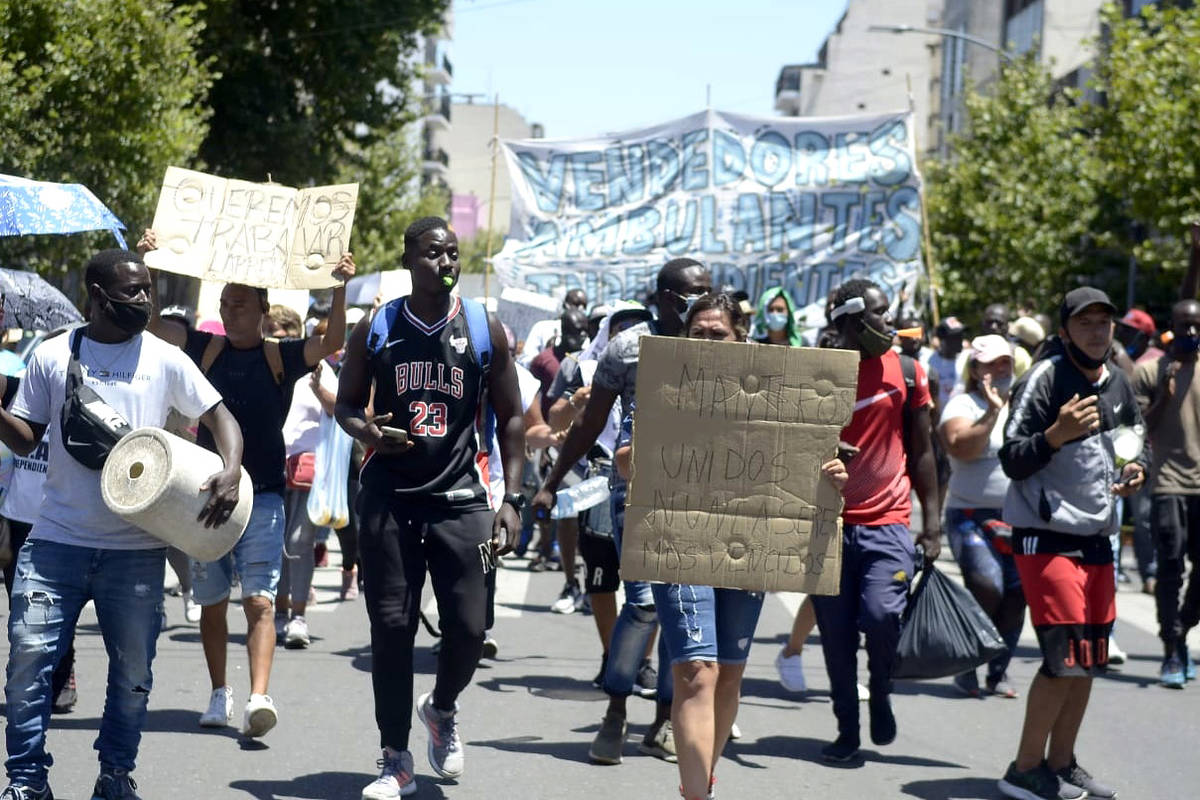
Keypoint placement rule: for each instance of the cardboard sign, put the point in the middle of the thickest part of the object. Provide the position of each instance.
(728, 444)
(520, 309)
(260, 234)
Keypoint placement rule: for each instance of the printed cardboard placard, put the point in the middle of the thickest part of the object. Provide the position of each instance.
(728, 444)
(260, 234)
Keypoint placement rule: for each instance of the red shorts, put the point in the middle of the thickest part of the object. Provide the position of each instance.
(1072, 606)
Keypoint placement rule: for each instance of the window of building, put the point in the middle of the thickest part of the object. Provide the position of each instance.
(1023, 24)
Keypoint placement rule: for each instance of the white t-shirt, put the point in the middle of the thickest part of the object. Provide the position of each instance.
(24, 496)
(981, 482)
(529, 386)
(142, 379)
(541, 335)
(302, 428)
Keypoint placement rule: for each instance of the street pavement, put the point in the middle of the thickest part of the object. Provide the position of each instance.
(531, 713)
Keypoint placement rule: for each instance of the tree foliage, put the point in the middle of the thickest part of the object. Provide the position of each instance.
(302, 84)
(1011, 212)
(1048, 189)
(100, 92)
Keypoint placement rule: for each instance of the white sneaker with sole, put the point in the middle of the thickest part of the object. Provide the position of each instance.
(395, 777)
(791, 672)
(295, 635)
(220, 709)
(445, 746)
(1115, 654)
(864, 694)
(191, 609)
(259, 717)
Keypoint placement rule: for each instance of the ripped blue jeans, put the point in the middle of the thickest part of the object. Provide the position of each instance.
(53, 583)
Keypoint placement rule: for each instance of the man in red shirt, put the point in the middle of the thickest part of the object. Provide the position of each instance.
(887, 449)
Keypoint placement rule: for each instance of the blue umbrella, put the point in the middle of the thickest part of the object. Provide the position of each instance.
(40, 207)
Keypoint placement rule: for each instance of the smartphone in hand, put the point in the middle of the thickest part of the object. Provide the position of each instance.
(398, 435)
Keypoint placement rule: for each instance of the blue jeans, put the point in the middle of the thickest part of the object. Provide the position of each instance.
(53, 583)
(877, 566)
(634, 626)
(257, 557)
(700, 623)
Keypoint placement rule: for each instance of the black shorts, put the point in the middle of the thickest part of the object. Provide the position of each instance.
(602, 562)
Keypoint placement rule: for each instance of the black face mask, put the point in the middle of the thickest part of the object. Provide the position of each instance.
(1083, 359)
(130, 316)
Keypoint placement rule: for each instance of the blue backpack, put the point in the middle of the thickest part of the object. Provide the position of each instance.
(477, 328)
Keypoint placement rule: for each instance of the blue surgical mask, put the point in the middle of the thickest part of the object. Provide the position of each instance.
(777, 320)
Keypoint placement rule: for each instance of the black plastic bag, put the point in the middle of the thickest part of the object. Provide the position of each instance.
(945, 632)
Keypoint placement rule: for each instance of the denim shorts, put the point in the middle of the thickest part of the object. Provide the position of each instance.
(700, 623)
(256, 558)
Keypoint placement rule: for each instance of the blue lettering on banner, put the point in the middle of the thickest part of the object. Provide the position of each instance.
(695, 161)
(626, 174)
(586, 178)
(771, 158)
(802, 204)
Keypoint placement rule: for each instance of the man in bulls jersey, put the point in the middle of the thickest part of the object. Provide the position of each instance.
(438, 366)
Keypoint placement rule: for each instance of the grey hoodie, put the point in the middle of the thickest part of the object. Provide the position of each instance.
(1069, 490)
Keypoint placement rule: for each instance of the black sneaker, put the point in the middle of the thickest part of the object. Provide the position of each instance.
(115, 784)
(841, 750)
(1039, 783)
(598, 681)
(67, 696)
(1076, 775)
(16, 792)
(883, 721)
(646, 684)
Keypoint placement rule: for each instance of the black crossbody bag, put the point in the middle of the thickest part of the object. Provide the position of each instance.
(90, 427)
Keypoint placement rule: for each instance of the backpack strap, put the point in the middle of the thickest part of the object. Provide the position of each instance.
(270, 350)
(213, 349)
(381, 325)
(274, 358)
(480, 330)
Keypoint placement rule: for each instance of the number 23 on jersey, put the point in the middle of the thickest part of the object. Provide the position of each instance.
(429, 419)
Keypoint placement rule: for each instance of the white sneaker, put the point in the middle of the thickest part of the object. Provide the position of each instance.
(864, 694)
(1115, 654)
(395, 777)
(260, 716)
(791, 672)
(220, 709)
(445, 746)
(191, 609)
(295, 635)
(734, 731)
(569, 600)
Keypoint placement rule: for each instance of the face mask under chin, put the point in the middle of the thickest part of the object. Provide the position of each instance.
(874, 343)
(1083, 359)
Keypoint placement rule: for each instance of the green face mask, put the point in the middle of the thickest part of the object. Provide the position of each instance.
(872, 342)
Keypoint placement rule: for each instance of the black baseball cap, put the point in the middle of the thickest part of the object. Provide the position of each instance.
(1079, 299)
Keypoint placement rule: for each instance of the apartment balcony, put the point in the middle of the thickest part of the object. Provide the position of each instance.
(435, 163)
(437, 113)
(787, 91)
(439, 72)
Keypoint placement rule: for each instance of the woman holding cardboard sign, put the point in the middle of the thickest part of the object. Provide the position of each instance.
(707, 630)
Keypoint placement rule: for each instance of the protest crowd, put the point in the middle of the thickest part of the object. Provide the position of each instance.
(465, 448)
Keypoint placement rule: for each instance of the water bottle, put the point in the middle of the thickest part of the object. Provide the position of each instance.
(580, 497)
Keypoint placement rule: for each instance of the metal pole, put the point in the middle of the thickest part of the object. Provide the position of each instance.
(487, 261)
(1007, 56)
(926, 240)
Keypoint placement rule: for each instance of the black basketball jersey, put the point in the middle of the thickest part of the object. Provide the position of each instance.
(431, 380)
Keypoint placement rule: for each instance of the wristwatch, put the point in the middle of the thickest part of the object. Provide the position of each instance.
(517, 501)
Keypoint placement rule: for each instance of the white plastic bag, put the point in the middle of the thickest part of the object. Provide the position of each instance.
(327, 501)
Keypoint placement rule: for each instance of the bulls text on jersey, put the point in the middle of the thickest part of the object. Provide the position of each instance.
(428, 376)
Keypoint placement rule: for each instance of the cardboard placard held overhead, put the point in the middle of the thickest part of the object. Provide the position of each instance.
(261, 234)
(728, 444)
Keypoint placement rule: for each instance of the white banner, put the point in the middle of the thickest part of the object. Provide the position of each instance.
(797, 202)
